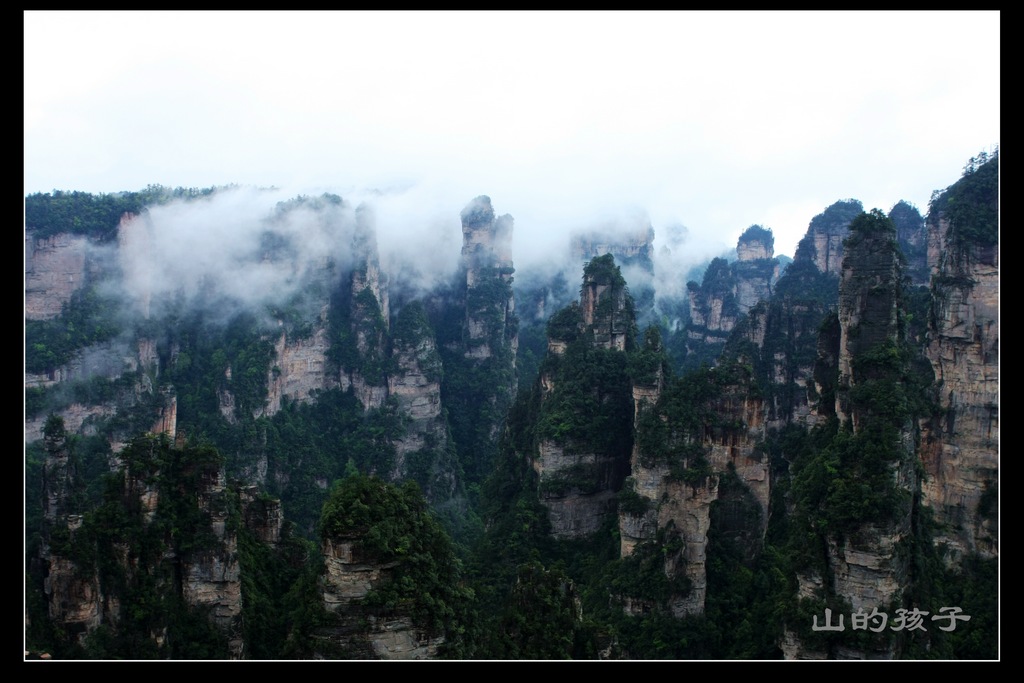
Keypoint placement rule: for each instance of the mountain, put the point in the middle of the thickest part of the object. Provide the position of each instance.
(276, 445)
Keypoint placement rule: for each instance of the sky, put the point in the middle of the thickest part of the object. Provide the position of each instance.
(713, 121)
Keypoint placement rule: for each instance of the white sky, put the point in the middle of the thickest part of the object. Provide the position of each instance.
(713, 120)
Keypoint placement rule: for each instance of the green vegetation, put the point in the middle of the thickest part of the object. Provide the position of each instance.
(411, 328)
(477, 391)
(358, 334)
(760, 234)
(178, 530)
(565, 324)
(512, 591)
(313, 442)
(88, 318)
(837, 216)
(972, 204)
(602, 270)
(81, 213)
(392, 526)
(591, 406)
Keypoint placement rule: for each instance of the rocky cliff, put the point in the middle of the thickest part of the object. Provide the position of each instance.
(389, 582)
(368, 317)
(487, 260)
(689, 435)
(728, 291)
(159, 556)
(586, 405)
(631, 242)
(823, 243)
(756, 268)
(56, 267)
(841, 454)
(424, 452)
(478, 337)
(870, 497)
(912, 235)
(960, 448)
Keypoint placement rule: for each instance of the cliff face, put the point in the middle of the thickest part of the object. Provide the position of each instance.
(713, 308)
(487, 260)
(863, 560)
(348, 579)
(912, 235)
(478, 338)
(823, 243)
(390, 577)
(172, 548)
(817, 388)
(55, 268)
(300, 367)
(364, 369)
(677, 468)
(728, 292)
(235, 365)
(756, 268)
(424, 452)
(607, 316)
(779, 334)
(631, 242)
(579, 471)
(960, 448)
(211, 576)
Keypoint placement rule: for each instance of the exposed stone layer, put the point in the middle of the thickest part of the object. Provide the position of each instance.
(55, 268)
(960, 451)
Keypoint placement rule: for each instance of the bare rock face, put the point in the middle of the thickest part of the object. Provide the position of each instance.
(347, 577)
(823, 243)
(756, 268)
(713, 315)
(486, 239)
(300, 367)
(961, 452)
(730, 290)
(753, 250)
(638, 525)
(263, 515)
(76, 416)
(577, 488)
(865, 563)
(735, 447)
(75, 601)
(487, 260)
(867, 568)
(358, 632)
(607, 314)
(55, 268)
(206, 574)
(212, 577)
(579, 472)
(684, 507)
(424, 452)
(368, 319)
(685, 510)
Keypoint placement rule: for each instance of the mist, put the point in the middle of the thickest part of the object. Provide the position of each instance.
(251, 249)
